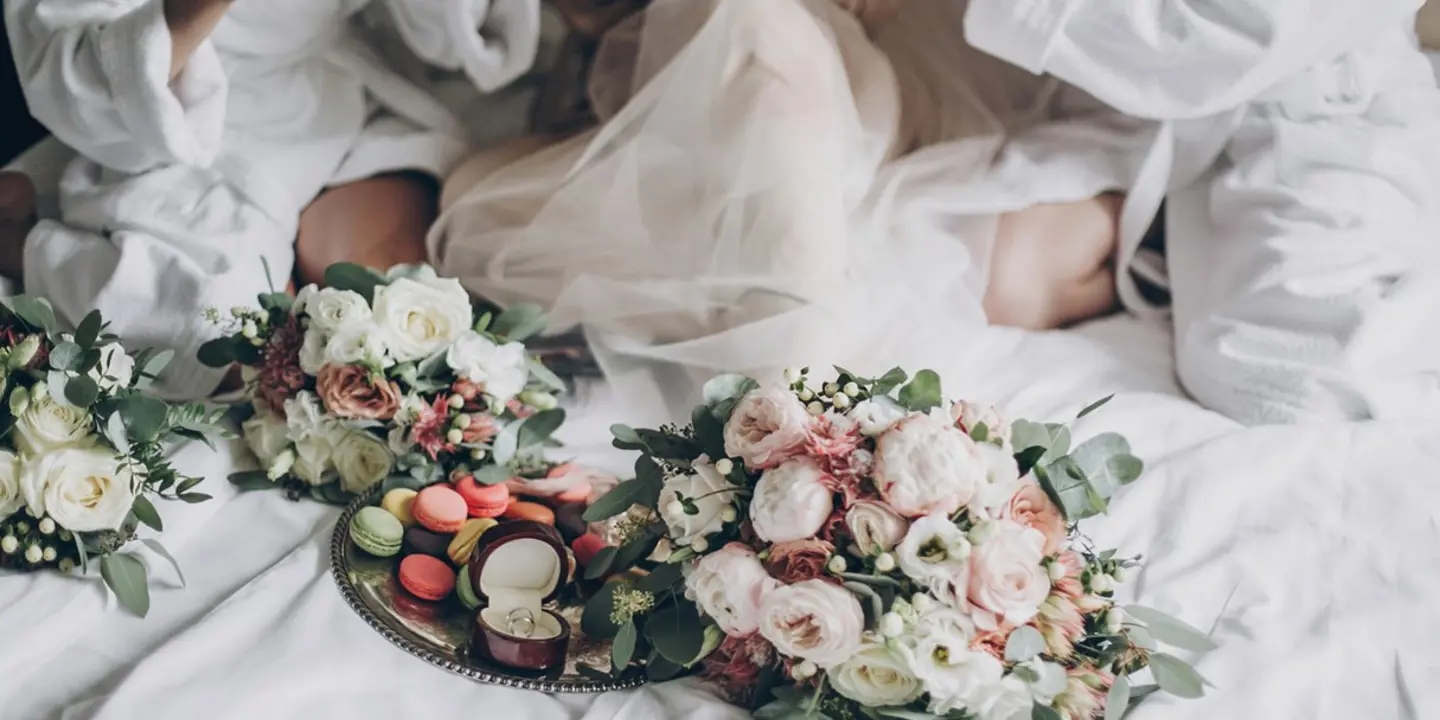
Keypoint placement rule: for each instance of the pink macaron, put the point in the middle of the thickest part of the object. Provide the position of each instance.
(483, 501)
(426, 577)
(440, 508)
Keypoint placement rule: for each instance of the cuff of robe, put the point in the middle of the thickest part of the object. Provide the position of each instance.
(1021, 32)
(180, 122)
(507, 47)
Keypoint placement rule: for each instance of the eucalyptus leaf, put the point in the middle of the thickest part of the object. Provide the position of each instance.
(676, 631)
(980, 433)
(1027, 434)
(668, 447)
(595, 620)
(276, 301)
(156, 363)
(81, 391)
(722, 392)
(1025, 643)
(539, 427)
(922, 392)
(875, 580)
(36, 312)
(144, 417)
(1092, 407)
(632, 551)
(600, 563)
(625, 434)
(660, 669)
(145, 512)
(1171, 630)
(195, 497)
(160, 550)
(66, 356)
(1125, 468)
(217, 353)
(660, 579)
(1176, 677)
(125, 576)
(545, 376)
(1093, 457)
(88, 331)
(623, 648)
(505, 445)
(617, 501)
(1059, 442)
(1044, 712)
(519, 322)
(252, 480)
(482, 323)
(872, 605)
(116, 434)
(1117, 701)
(356, 278)
(1141, 637)
(492, 475)
(709, 432)
(885, 384)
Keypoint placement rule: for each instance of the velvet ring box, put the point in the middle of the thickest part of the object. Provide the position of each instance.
(515, 569)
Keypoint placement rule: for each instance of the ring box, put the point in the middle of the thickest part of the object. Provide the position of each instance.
(519, 566)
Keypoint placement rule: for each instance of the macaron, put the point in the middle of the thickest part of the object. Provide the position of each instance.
(419, 541)
(483, 501)
(464, 541)
(586, 546)
(426, 577)
(398, 503)
(534, 512)
(439, 508)
(464, 590)
(376, 532)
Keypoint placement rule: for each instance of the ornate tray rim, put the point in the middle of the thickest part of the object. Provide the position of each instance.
(339, 572)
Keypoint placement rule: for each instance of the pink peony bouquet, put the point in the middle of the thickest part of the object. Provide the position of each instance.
(860, 548)
(389, 379)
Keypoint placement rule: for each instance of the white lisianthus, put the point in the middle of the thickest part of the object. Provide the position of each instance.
(707, 490)
(419, 319)
(305, 416)
(361, 461)
(115, 370)
(81, 489)
(500, 369)
(314, 458)
(1009, 700)
(791, 502)
(332, 310)
(267, 436)
(12, 497)
(302, 298)
(923, 465)
(47, 426)
(936, 554)
(729, 585)
(955, 676)
(357, 345)
(876, 415)
(1002, 480)
(312, 351)
(812, 620)
(876, 677)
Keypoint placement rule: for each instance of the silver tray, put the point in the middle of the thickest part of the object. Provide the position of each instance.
(439, 632)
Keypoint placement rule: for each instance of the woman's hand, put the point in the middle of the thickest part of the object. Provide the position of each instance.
(190, 22)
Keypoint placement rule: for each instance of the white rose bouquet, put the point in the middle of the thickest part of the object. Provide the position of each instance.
(389, 379)
(860, 548)
(82, 460)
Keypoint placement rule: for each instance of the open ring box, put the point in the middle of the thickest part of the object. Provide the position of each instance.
(519, 566)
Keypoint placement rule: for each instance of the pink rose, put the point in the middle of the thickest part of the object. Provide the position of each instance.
(767, 427)
(729, 585)
(875, 527)
(350, 391)
(924, 466)
(1032, 508)
(791, 502)
(1007, 581)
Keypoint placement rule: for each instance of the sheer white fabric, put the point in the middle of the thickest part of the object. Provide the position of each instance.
(768, 187)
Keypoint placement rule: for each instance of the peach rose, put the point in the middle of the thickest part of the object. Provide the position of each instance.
(797, 560)
(1032, 508)
(349, 392)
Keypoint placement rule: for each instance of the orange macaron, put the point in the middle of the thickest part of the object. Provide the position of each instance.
(426, 577)
(534, 512)
(440, 509)
(483, 501)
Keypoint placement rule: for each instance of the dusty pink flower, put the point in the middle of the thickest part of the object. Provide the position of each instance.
(431, 426)
(521, 410)
(1069, 584)
(350, 391)
(1061, 624)
(832, 436)
(735, 666)
(280, 376)
(799, 560)
(1084, 695)
(1032, 508)
(992, 642)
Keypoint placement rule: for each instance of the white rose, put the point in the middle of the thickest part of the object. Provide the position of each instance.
(767, 427)
(874, 526)
(420, 319)
(267, 436)
(312, 352)
(305, 416)
(969, 415)
(356, 345)
(12, 497)
(47, 425)
(1007, 580)
(302, 298)
(314, 457)
(1001, 480)
(1009, 700)
(115, 370)
(500, 369)
(332, 310)
(81, 489)
(728, 585)
(875, 677)
(791, 502)
(924, 466)
(708, 490)
(876, 415)
(812, 620)
(955, 676)
(936, 554)
(361, 461)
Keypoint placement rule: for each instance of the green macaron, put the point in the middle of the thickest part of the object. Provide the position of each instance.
(377, 532)
(464, 590)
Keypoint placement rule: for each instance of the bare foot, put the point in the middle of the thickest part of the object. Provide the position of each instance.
(17, 217)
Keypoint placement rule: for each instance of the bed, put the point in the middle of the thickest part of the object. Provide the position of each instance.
(1311, 553)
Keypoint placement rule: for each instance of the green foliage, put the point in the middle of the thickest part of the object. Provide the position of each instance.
(922, 392)
(125, 576)
(356, 278)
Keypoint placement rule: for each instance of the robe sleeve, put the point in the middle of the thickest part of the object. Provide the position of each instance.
(96, 73)
(493, 41)
(1175, 59)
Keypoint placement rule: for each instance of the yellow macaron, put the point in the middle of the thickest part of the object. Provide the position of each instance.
(397, 502)
(464, 542)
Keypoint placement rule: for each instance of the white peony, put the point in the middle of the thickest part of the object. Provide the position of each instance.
(955, 676)
(707, 490)
(361, 344)
(767, 427)
(1007, 580)
(791, 502)
(729, 585)
(875, 676)
(500, 369)
(923, 465)
(314, 458)
(936, 554)
(419, 319)
(876, 415)
(115, 370)
(267, 436)
(305, 416)
(46, 426)
(812, 620)
(312, 352)
(1001, 481)
(81, 489)
(874, 526)
(1009, 700)
(12, 497)
(361, 461)
(332, 310)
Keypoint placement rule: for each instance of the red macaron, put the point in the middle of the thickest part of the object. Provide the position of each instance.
(426, 577)
(586, 546)
(440, 509)
(483, 501)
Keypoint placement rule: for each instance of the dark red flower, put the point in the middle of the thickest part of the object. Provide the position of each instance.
(280, 376)
(735, 666)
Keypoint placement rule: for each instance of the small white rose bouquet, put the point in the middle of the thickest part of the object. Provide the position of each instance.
(82, 458)
(388, 379)
(860, 548)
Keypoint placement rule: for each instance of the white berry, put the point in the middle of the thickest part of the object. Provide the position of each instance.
(724, 466)
(837, 564)
(885, 562)
(891, 625)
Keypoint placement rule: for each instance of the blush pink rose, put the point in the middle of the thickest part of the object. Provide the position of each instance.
(767, 427)
(1032, 508)
(1007, 580)
(350, 391)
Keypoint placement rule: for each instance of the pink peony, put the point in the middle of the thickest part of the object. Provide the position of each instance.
(767, 427)
(924, 466)
(1032, 508)
(1007, 580)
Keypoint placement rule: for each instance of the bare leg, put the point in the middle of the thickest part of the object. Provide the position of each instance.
(17, 218)
(1053, 264)
(377, 222)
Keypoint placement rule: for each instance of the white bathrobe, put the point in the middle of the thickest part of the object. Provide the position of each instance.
(187, 194)
(1297, 146)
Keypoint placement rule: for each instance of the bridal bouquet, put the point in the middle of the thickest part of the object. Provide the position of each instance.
(860, 548)
(387, 378)
(82, 457)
